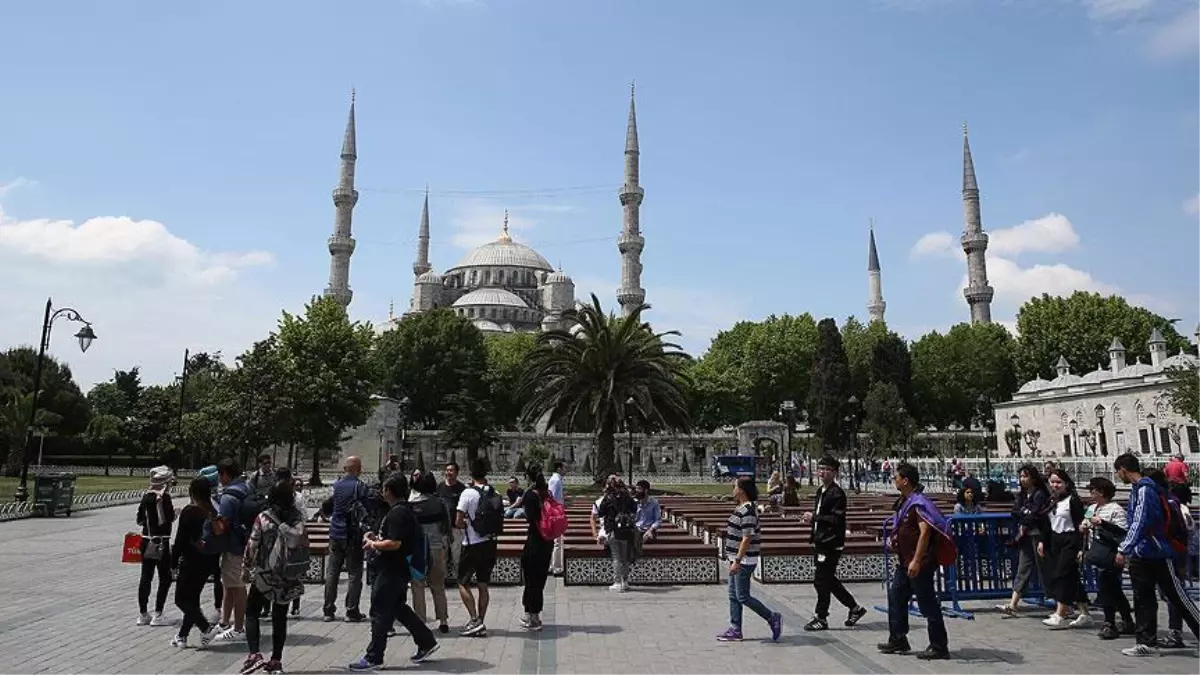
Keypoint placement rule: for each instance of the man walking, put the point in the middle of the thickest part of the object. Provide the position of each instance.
(347, 525)
(555, 486)
(231, 526)
(919, 533)
(481, 517)
(389, 594)
(649, 513)
(1147, 554)
(617, 511)
(450, 492)
(828, 534)
(261, 481)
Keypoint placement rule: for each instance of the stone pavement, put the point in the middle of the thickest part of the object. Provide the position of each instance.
(70, 605)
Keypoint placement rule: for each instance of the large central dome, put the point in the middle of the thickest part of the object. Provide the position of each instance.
(504, 252)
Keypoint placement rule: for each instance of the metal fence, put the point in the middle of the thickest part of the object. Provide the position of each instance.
(98, 500)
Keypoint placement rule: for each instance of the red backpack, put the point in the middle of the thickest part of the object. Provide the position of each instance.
(553, 523)
(1175, 528)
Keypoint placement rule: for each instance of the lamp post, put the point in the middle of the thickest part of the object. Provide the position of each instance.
(402, 422)
(179, 422)
(1074, 437)
(852, 423)
(1100, 423)
(1151, 419)
(900, 414)
(85, 337)
(629, 404)
(1015, 419)
(988, 423)
(787, 410)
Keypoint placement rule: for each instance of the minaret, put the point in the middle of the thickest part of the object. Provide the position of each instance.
(630, 244)
(421, 265)
(974, 243)
(875, 303)
(341, 244)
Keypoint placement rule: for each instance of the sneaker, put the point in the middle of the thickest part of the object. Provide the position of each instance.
(329, 618)
(443, 628)
(618, 587)
(537, 624)
(273, 666)
(295, 610)
(252, 663)
(160, 620)
(932, 653)
(422, 654)
(1056, 622)
(817, 623)
(1108, 632)
(354, 617)
(890, 647)
(232, 635)
(624, 585)
(731, 634)
(179, 642)
(776, 624)
(1174, 640)
(526, 620)
(474, 627)
(855, 615)
(1007, 611)
(1140, 650)
(144, 619)
(1084, 620)
(207, 638)
(363, 665)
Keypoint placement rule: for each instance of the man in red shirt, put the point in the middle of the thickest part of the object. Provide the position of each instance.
(1176, 470)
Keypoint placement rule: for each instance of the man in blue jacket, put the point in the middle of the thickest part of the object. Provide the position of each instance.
(1147, 554)
(348, 523)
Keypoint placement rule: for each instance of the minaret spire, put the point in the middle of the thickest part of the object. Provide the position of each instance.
(421, 266)
(875, 303)
(341, 244)
(630, 244)
(504, 235)
(974, 242)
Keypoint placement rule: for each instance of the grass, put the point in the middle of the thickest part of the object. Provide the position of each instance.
(84, 485)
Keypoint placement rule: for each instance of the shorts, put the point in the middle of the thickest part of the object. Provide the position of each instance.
(479, 560)
(231, 571)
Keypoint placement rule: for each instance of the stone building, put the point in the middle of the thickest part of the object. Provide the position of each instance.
(1111, 410)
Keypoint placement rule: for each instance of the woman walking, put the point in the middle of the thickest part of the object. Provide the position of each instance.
(1029, 512)
(535, 558)
(267, 588)
(1060, 545)
(1105, 523)
(743, 542)
(156, 515)
(193, 566)
(431, 514)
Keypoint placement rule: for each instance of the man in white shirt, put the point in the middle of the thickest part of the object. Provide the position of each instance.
(481, 516)
(555, 485)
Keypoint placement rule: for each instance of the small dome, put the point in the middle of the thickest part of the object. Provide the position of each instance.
(1181, 360)
(558, 278)
(487, 326)
(430, 277)
(1065, 380)
(491, 297)
(1036, 384)
(1136, 370)
(508, 328)
(1097, 376)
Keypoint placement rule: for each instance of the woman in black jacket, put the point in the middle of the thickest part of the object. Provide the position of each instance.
(192, 563)
(535, 559)
(155, 514)
(1029, 514)
(1060, 544)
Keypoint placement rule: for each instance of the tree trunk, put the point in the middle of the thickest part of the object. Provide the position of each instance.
(605, 454)
(315, 479)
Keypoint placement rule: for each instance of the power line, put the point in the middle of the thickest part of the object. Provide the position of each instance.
(530, 192)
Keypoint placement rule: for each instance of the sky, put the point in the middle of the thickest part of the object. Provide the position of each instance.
(166, 168)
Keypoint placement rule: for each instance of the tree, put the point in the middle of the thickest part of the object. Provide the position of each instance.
(885, 419)
(829, 391)
(536, 455)
(130, 383)
(103, 436)
(859, 341)
(326, 361)
(891, 362)
(469, 421)
(14, 426)
(59, 394)
(650, 468)
(587, 465)
(506, 356)
(683, 465)
(591, 371)
(520, 468)
(1081, 328)
(1183, 394)
(951, 372)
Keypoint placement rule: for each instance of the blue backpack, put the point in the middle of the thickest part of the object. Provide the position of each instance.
(418, 559)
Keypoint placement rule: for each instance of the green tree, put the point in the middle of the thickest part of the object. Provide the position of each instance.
(535, 455)
(506, 356)
(891, 362)
(829, 391)
(590, 372)
(326, 361)
(14, 426)
(1183, 393)
(106, 398)
(859, 341)
(103, 436)
(59, 394)
(1081, 328)
(952, 372)
(130, 383)
(468, 421)
(885, 419)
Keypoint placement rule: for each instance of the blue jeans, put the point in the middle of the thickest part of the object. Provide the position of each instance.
(739, 596)
(900, 591)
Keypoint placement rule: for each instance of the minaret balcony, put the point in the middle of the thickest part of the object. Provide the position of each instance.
(631, 296)
(342, 296)
(339, 244)
(344, 195)
(974, 241)
(631, 194)
(631, 243)
(977, 294)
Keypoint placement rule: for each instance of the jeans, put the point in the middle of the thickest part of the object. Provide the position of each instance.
(343, 554)
(827, 584)
(556, 558)
(517, 512)
(255, 603)
(900, 591)
(739, 596)
(436, 581)
(621, 550)
(187, 598)
(1147, 575)
(389, 603)
(535, 566)
(453, 553)
(163, 566)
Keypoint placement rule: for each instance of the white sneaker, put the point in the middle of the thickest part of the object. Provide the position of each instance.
(160, 620)
(617, 587)
(1140, 650)
(232, 635)
(179, 642)
(1084, 620)
(624, 585)
(144, 619)
(1056, 622)
(207, 638)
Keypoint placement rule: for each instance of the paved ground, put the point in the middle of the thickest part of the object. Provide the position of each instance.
(70, 607)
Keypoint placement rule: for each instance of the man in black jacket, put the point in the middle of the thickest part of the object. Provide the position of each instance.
(828, 539)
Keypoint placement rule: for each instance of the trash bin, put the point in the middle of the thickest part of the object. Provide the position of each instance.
(53, 494)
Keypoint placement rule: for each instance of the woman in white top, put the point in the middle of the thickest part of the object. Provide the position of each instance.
(1061, 545)
(1106, 514)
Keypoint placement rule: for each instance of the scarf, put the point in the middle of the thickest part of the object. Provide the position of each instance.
(946, 550)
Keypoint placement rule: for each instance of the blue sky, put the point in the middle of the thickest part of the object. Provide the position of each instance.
(167, 168)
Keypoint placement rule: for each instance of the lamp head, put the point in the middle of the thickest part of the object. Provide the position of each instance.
(85, 337)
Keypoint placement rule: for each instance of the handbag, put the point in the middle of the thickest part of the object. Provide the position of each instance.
(1106, 539)
(154, 549)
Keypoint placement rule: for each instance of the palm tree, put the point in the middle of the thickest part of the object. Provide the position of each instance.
(14, 426)
(602, 371)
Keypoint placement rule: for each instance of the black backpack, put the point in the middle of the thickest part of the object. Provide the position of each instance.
(489, 513)
(620, 512)
(250, 504)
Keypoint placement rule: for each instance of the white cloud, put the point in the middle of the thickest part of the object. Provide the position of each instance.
(148, 292)
(939, 244)
(1112, 10)
(15, 184)
(1192, 206)
(1051, 233)
(1170, 28)
(479, 221)
(1178, 37)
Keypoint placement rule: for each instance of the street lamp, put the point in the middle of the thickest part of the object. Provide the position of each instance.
(989, 424)
(629, 404)
(1074, 437)
(900, 413)
(852, 421)
(1100, 422)
(1151, 419)
(787, 410)
(85, 336)
(402, 420)
(1015, 419)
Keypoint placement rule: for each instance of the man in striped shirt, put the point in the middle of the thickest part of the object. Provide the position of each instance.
(743, 542)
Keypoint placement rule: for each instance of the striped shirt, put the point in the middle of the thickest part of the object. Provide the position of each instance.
(743, 522)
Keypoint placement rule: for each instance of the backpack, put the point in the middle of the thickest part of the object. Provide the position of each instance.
(250, 505)
(418, 558)
(1176, 529)
(624, 520)
(283, 552)
(553, 523)
(489, 513)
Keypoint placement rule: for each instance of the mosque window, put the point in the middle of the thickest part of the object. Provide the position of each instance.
(1116, 414)
(487, 277)
(1141, 412)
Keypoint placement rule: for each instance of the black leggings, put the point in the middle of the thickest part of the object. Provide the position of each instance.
(254, 605)
(187, 598)
(163, 565)
(535, 566)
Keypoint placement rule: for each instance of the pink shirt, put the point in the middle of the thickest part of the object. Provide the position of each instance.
(1176, 471)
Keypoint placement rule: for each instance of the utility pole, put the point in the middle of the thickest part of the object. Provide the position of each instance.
(179, 421)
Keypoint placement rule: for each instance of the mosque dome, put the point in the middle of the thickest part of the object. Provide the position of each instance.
(491, 297)
(504, 252)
